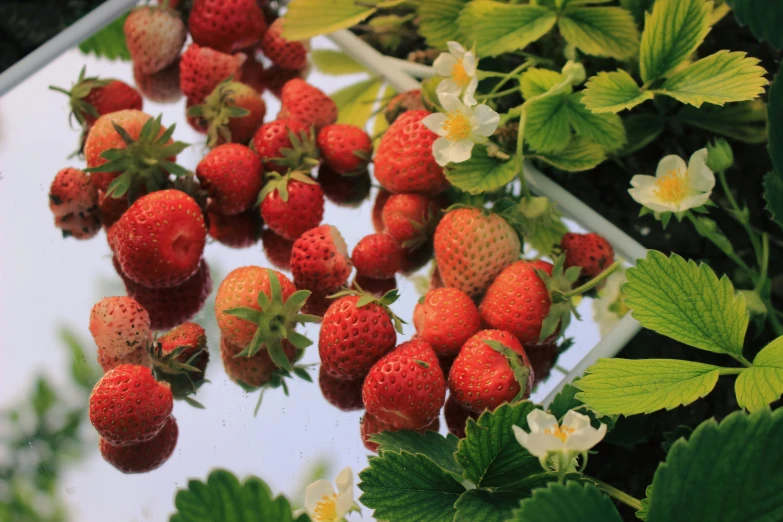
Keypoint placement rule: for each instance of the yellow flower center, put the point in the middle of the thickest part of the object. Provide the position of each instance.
(561, 432)
(459, 74)
(457, 126)
(672, 187)
(326, 509)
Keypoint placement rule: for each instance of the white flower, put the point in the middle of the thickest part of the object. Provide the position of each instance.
(324, 505)
(609, 308)
(459, 128)
(458, 66)
(576, 434)
(675, 187)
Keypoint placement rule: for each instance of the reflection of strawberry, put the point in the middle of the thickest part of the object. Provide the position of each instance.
(291, 204)
(145, 456)
(378, 256)
(139, 357)
(307, 104)
(276, 77)
(542, 359)
(226, 25)
(281, 52)
(154, 37)
(344, 191)
(457, 416)
(254, 371)
(319, 260)
(202, 69)
(345, 395)
(370, 425)
(376, 287)
(237, 231)
(346, 149)
(232, 176)
(277, 249)
(410, 218)
(405, 101)
(73, 199)
(161, 86)
(591, 252)
(446, 318)
(377, 209)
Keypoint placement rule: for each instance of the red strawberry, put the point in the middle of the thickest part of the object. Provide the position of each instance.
(236, 231)
(344, 191)
(405, 388)
(284, 145)
(405, 101)
(226, 25)
(283, 53)
(457, 416)
(254, 371)
(370, 425)
(446, 318)
(159, 240)
(154, 38)
(591, 252)
(92, 97)
(291, 204)
(319, 260)
(484, 377)
(120, 326)
(378, 256)
(145, 456)
(377, 209)
(376, 287)
(346, 149)
(128, 406)
(472, 247)
(410, 218)
(231, 113)
(277, 249)
(343, 394)
(161, 86)
(72, 192)
(307, 104)
(404, 160)
(202, 69)
(192, 340)
(232, 176)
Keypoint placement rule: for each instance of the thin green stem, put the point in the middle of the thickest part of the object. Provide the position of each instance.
(520, 158)
(509, 76)
(731, 371)
(734, 257)
(738, 211)
(742, 360)
(490, 74)
(495, 94)
(593, 282)
(764, 262)
(773, 318)
(621, 496)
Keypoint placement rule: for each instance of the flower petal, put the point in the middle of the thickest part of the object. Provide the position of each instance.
(316, 492)
(539, 420)
(586, 438)
(449, 87)
(469, 63)
(641, 180)
(456, 49)
(434, 122)
(700, 177)
(669, 163)
(444, 64)
(470, 90)
(440, 150)
(539, 444)
(575, 420)
(460, 150)
(694, 201)
(450, 102)
(487, 120)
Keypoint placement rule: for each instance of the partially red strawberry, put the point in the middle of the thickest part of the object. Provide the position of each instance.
(161, 86)
(370, 426)
(472, 247)
(73, 199)
(120, 326)
(307, 104)
(92, 97)
(319, 260)
(235, 231)
(128, 406)
(291, 204)
(343, 394)
(410, 218)
(232, 176)
(277, 249)
(226, 25)
(202, 69)
(356, 331)
(255, 371)
(446, 318)
(344, 191)
(145, 456)
(154, 37)
(483, 377)
(406, 387)
(457, 416)
(283, 53)
(159, 240)
(404, 160)
(231, 113)
(377, 209)
(405, 101)
(591, 252)
(346, 149)
(378, 256)
(285, 145)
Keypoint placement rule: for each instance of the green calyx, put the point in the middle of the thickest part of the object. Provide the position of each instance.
(520, 370)
(366, 298)
(218, 109)
(276, 321)
(303, 153)
(424, 230)
(80, 108)
(277, 380)
(559, 286)
(183, 377)
(143, 161)
(279, 183)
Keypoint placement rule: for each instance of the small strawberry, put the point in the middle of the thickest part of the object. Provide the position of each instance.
(255, 371)
(446, 318)
(356, 331)
(307, 104)
(231, 113)
(190, 340)
(406, 387)
(232, 176)
(377, 209)
(345, 395)
(161, 86)
(202, 69)
(226, 25)
(344, 191)
(145, 456)
(291, 204)
(277, 249)
(285, 145)
(457, 416)
(378, 256)
(128, 406)
(281, 52)
(405, 101)
(159, 240)
(346, 149)
(319, 260)
(154, 37)
(591, 252)
(371, 426)
(491, 368)
(73, 199)
(120, 326)
(404, 160)
(472, 247)
(235, 231)
(410, 218)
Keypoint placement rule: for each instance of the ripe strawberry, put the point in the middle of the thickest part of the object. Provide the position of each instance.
(307, 104)
(73, 196)
(343, 394)
(120, 326)
(191, 340)
(377, 209)
(128, 406)
(472, 247)
(319, 260)
(202, 69)
(291, 204)
(346, 149)
(277, 249)
(591, 252)
(378, 256)
(457, 416)
(255, 371)
(484, 377)
(281, 52)
(226, 25)
(285, 145)
(161, 86)
(446, 318)
(91, 98)
(370, 426)
(236, 231)
(404, 160)
(159, 240)
(145, 456)
(410, 218)
(232, 176)
(231, 113)
(405, 101)
(405, 388)
(344, 191)
(154, 37)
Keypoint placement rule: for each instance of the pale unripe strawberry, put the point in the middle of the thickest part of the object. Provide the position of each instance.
(154, 37)
(120, 326)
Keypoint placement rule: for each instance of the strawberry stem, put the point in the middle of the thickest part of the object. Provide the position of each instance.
(560, 297)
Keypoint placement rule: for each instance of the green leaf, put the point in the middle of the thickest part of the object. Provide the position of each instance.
(687, 302)
(433, 445)
(637, 8)
(224, 499)
(723, 473)
(403, 487)
(490, 455)
(601, 31)
(775, 123)
(581, 154)
(572, 502)
(773, 195)
(719, 78)
(335, 63)
(308, 18)
(109, 42)
(629, 387)
(479, 505)
(438, 21)
(613, 92)
(605, 129)
(355, 102)
(673, 30)
(535, 82)
(565, 400)
(481, 173)
(498, 28)
(758, 386)
(763, 18)
(641, 130)
(546, 128)
(745, 121)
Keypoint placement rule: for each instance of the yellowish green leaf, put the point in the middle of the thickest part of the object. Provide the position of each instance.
(335, 63)
(613, 92)
(581, 154)
(481, 173)
(762, 384)
(601, 31)
(308, 18)
(535, 82)
(498, 28)
(356, 102)
(546, 129)
(606, 129)
(438, 22)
